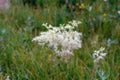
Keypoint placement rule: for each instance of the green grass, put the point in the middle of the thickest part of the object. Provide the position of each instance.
(22, 59)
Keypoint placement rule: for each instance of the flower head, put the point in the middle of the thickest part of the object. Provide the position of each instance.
(105, 0)
(8, 78)
(99, 54)
(82, 6)
(119, 12)
(62, 39)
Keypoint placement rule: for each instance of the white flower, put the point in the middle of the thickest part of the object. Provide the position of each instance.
(119, 12)
(90, 8)
(75, 23)
(105, 0)
(8, 78)
(102, 49)
(98, 55)
(68, 26)
(68, 40)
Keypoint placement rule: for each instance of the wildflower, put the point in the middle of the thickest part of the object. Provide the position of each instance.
(82, 6)
(8, 78)
(104, 14)
(90, 8)
(98, 55)
(62, 39)
(105, 0)
(104, 17)
(75, 23)
(119, 12)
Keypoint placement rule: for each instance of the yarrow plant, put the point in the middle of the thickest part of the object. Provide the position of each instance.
(62, 39)
(99, 54)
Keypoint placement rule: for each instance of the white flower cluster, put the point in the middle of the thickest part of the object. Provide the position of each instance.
(8, 78)
(119, 12)
(98, 55)
(62, 39)
(105, 0)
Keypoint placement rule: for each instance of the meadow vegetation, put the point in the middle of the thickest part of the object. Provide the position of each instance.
(97, 59)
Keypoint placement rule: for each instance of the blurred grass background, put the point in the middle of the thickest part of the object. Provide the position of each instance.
(22, 59)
